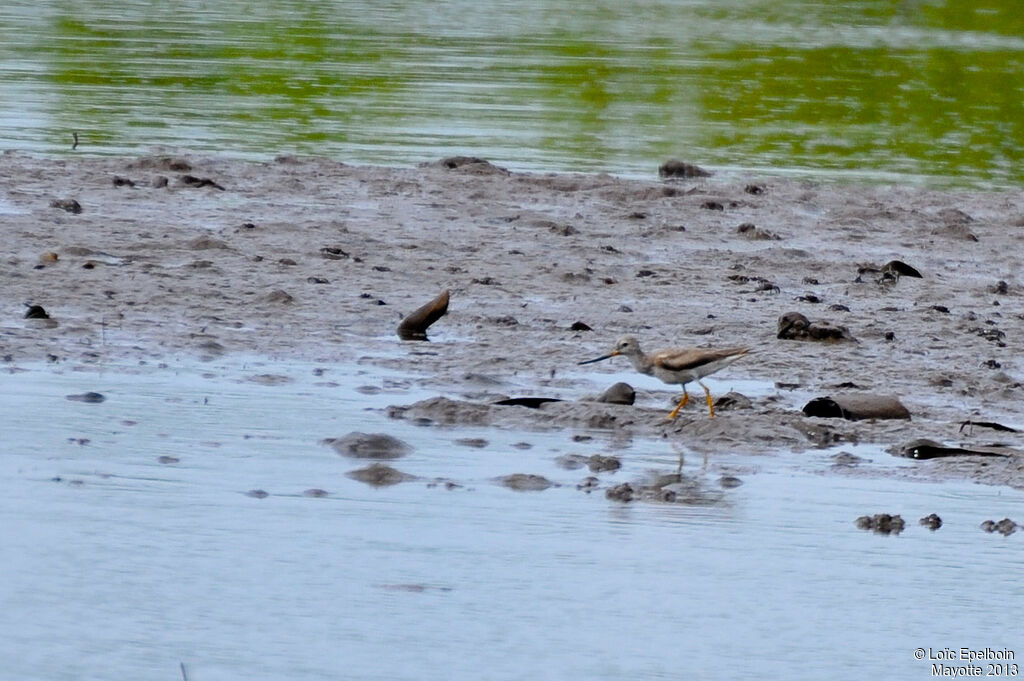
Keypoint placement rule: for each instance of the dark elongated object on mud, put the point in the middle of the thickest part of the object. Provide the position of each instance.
(889, 272)
(414, 326)
(924, 449)
(987, 424)
(857, 406)
(531, 402)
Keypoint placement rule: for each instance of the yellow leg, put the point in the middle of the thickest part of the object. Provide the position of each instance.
(682, 403)
(707, 393)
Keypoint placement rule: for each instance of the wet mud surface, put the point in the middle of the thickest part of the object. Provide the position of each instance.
(175, 255)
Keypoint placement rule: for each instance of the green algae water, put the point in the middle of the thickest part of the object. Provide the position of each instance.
(910, 91)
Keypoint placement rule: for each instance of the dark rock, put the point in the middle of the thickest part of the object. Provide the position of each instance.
(1005, 527)
(931, 521)
(677, 168)
(379, 475)
(279, 296)
(36, 312)
(70, 205)
(733, 400)
(882, 523)
(750, 231)
(468, 164)
(368, 446)
(856, 407)
(795, 326)
(846, 460)
(525, 482)
(620, 393)
(623, 492)
(198, 182)
(599, 463)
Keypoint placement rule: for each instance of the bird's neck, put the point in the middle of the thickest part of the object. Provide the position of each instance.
(641, 362)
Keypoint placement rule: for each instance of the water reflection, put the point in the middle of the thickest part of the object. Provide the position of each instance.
(878, 88)
(120, 564)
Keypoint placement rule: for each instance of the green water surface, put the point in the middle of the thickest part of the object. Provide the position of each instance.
(883, 90)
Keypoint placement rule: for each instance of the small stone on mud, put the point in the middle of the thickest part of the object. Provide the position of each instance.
(525, 482)
(881, 523)
(729, 482)
(795, 326)
(333, 253)
(857, 407)
(70, 205)
(623, 492)
(206, 243)
(580, 326)
(750, 231)
(368, 446)
(36, 312)
(571, 461)
(475, 442)
(733, 400)
(1005, 527)
(89, 398)
(279, 296)
(315, 492)
(846, 460)
(468, 164)
(168, 459)
(198, 182)
(257, 494)
(999, 288)
(676, 168)
(620, 393)
(599, 463)
(379, 475)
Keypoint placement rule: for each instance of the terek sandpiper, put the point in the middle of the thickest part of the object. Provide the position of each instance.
(676, 365)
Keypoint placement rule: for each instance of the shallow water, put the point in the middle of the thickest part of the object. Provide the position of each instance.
(117, 566)
(909, 91)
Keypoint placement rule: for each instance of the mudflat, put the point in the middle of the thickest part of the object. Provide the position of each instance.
(173, 255)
